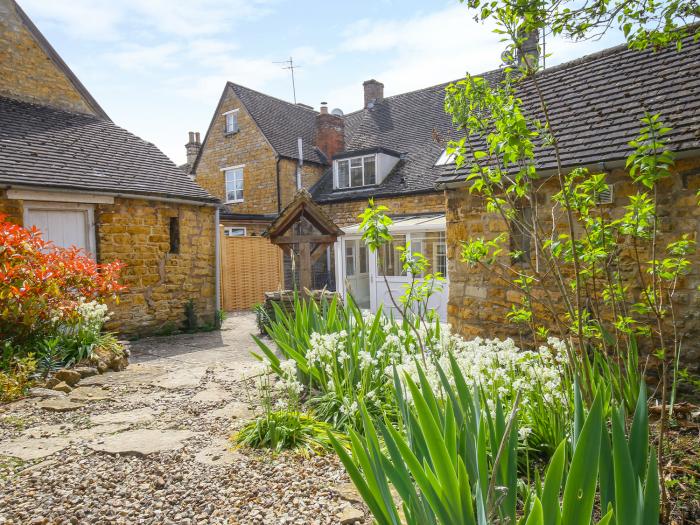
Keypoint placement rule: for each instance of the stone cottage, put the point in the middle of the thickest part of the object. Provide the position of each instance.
(595, 104)
(259, 150)
(66, 168)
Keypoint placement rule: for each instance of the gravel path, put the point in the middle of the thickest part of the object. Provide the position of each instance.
(156, 451)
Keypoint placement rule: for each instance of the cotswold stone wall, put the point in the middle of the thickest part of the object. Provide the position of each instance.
(479, 300)
(26, 71)
(12, 208)
(346, 213)
(310, 174)
(248, 147)
(159, 283)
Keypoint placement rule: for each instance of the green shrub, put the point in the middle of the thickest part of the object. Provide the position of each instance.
(16, 378)
(339, 355)
(288, 430)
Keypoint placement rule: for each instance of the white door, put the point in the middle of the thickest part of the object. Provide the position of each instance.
(389, 270)
(356, 264)
(65, 225)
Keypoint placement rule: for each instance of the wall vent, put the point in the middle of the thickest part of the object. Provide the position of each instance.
(605, 196)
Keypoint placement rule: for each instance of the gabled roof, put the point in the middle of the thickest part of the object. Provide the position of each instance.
(282, 122)
(413, 124)
(58, 61)
(49, 148)
(302, 205)
(596, 103)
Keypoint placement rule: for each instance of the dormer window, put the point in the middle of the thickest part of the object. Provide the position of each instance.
(231, 125)
(356, 172)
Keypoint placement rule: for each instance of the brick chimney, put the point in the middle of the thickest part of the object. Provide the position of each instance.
(530, 50)
(374, 91)
(193, 147)
(330, 132)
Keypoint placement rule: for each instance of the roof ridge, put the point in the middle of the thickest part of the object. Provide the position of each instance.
(295, 105)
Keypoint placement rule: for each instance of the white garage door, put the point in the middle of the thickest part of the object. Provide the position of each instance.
(66, 225)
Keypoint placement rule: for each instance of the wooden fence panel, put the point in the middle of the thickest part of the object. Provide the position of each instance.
(250, 266)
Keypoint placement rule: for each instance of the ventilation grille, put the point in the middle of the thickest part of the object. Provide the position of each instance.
(605, 196)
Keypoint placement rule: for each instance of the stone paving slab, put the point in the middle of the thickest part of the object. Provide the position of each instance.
(212, 394)
(141, 442)
(181, 378)
(59, 404)
(135, 417)
(32, 449)
(89, 393)
(219, 453)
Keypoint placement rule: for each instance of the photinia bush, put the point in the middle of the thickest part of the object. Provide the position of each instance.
(41, 284)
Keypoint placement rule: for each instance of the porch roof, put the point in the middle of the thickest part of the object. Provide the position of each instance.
(409, 223)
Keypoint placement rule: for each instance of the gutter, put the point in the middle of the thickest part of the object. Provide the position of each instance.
(217, 266)
(112, 194)
(603, 165)
(279, 191)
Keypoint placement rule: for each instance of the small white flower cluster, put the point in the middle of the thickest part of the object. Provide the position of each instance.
(501, 368)
(289, 381)
(92, 314)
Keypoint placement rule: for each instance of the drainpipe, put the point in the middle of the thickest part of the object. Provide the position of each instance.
(279, 192)
(217, 277)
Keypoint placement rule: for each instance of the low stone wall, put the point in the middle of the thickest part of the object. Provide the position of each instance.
(285, 300)
(159, 283)
(346, 213)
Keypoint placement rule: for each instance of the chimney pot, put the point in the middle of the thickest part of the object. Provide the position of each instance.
(530, 53)
(330, 132)
(192, 147)
(374, 91)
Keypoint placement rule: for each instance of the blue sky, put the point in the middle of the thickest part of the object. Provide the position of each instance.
(158, 67)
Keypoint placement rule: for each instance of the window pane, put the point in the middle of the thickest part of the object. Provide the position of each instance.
(231, 122)
(235, 232)
(441, 258)
(234, 184)
(343, 174)
(390, 257)
(370, 170)
(363, 258)
(356, 172)
(349, 261)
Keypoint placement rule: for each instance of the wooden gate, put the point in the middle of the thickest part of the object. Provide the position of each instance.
(250, 266)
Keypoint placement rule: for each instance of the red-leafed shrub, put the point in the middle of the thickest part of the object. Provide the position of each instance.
(42, 284)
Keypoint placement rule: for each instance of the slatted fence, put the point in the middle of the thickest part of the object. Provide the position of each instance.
(250, 266)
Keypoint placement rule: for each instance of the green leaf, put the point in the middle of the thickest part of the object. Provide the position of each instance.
(579, 492)
(627, 486)
(639, 433)
(651, 511)
(535, 517)
(552, 486)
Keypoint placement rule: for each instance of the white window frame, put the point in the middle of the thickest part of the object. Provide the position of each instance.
(350, 257)
(233, 112)
(336, 171)
(228, 229)
(87, 209)
(225, 171)
(437, 255)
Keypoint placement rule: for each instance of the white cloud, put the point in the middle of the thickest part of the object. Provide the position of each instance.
(136, 57)
(113, 20)
(416, 52)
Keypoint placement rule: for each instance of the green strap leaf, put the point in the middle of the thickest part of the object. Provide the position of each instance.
(579, 492)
